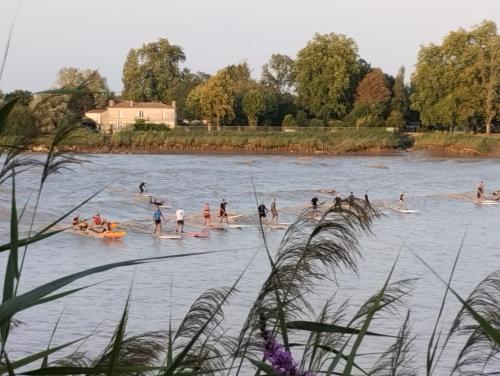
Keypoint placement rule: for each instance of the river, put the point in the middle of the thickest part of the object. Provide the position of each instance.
(168, 288)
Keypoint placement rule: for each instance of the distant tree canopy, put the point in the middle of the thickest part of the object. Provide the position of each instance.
(279, 73)
(152, 72)
(325, 71)
(458, 82)
(373, 89)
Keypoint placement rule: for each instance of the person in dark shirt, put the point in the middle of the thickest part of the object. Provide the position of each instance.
(314, 202)
(351, 199)
(142, 187)
(262, 210)
(337, 203)
(223, 211)
(367, 200)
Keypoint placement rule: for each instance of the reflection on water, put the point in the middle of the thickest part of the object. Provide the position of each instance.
(168, 288)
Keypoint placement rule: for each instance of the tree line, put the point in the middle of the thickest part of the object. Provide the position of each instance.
(455, 84)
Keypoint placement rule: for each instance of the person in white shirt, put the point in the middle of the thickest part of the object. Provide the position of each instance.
(179, 214)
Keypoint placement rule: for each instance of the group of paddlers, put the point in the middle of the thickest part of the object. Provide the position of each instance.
(98, 224)
(480, 193)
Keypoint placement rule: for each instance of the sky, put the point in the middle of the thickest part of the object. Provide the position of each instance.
(97, 34)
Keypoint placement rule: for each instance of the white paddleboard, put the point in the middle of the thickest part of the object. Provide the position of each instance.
(169, 236)
(487, 202)
(406, 211)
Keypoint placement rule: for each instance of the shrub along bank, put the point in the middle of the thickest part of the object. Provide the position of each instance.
(478, 144)
(258, 140)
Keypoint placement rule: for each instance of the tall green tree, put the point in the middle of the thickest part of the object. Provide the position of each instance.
(279, 73)
(399, 101)
(325, 70)
(152, 72)
(243, 82)
(132, 80)
(257, 103)
(216, 98)
(458, 82)
(93, 91)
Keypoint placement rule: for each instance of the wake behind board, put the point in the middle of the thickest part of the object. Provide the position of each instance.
(236, 216)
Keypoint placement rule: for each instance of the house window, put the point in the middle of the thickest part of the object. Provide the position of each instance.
(120, 114)
(141, 114)
(163, 115)
(120, 126)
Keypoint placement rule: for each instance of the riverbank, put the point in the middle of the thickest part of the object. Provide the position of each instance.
(261, 141)
(458, 143)
(368, 141)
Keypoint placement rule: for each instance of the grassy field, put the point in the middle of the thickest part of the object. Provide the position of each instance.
(478, 144)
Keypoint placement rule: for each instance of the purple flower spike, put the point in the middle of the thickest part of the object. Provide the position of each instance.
(280, 359)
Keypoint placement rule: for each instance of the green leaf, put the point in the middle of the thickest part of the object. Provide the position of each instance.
(37, 356)
(12, 270)
(90, 370)
(43, 234)
(5, 111)
(36, 296)
(487, 328)
(30, 240)
(118, 338)
(366, 324)
(180, 357)
(311, 326)
(269, 370)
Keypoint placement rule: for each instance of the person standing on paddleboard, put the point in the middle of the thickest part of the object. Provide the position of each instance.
(206, 215)
(157, 216)
(480, 190)
(274, 211)
(402, 201)
(351, 200)
(262, 211)
(179, 215)
(223, 211)
(142, 187)
(314, 202)
(367, 201)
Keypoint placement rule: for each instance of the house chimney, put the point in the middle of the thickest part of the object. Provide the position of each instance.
(131, 103)
(173, 104)
(111, 103)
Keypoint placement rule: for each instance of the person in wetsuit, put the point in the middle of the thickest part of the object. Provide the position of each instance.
(154, 200)
(402, 201)
(223, 211)
(351, 199)
(337, 205)
(314, 202)
(142, 187)
(480, 190)
(262, 210)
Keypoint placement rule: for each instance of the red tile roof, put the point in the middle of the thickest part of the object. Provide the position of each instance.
(97, 111)
(127, 104)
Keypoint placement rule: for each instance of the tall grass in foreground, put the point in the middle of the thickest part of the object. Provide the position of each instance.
(282, 334)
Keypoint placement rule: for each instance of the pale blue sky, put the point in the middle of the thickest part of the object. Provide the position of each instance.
(50, 34)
